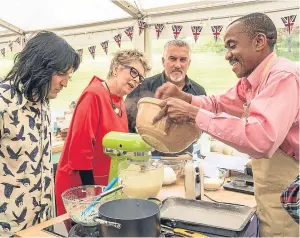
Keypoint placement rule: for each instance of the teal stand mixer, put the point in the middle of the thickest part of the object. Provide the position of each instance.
(122, 146)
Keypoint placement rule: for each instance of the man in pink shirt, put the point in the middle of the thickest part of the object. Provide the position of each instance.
(259, 116)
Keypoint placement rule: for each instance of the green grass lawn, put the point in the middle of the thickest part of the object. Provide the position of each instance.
(208, 69)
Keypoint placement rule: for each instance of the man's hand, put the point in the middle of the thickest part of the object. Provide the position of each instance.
(168, 90)
(177, 112)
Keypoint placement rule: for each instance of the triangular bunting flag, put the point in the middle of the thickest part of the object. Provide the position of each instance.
(289, 22)
(129, 32)
(10, 45)
(92, 50)
(158, 29)
(142, 26)
(216, 31)
(118, 39)
(80, 52)
(104, 45)
(176, 30)
(196, 32)
(24, 41)
(18, 40)
(3, 52)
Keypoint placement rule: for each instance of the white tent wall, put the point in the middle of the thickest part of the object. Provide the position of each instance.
(93, 34)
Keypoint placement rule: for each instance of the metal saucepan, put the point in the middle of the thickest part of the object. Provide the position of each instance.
(129, 218)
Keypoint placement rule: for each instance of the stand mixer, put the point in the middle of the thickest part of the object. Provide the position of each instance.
(123, 146)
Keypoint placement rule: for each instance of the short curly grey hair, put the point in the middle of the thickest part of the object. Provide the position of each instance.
(126, 57)
(179, 43)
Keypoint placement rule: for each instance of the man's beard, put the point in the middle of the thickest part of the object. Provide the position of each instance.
(176, 79)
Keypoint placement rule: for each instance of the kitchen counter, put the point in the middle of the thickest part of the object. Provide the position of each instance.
(176, 190)
(58, 146)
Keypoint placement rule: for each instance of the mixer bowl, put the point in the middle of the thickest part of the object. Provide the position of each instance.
(180, 136)
(77, 199)
(142, 179)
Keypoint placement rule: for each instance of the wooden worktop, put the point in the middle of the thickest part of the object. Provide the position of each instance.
(58, 146)
(176, 190)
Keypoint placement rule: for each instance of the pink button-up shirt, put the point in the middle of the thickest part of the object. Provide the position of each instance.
(273, 120)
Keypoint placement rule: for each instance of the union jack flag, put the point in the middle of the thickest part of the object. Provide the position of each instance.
(24, 41)
(92, 50)
(10, 45)
(129, 32)
(118, 39)
(216, 31)
(289, 22)
(18, 40)
(196, 32)
(176, 30)
(3, 52)
(158, 29)
(104, 45)
(80, 52)
(142, 26)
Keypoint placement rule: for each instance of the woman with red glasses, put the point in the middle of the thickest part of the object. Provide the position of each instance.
(99, 110)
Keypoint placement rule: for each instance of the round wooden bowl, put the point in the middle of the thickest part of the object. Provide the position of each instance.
(179, 137)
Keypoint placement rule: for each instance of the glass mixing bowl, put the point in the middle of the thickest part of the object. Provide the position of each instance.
(77, 199)
(142, 178)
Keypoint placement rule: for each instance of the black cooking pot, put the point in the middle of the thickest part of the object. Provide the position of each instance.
(129, 218)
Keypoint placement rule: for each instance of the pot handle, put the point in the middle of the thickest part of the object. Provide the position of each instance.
(155, 200)
(107, 223)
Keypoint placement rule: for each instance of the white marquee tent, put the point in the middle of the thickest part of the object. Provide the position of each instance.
(100, 20)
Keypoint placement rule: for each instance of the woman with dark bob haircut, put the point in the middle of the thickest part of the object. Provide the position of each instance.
(39, 73)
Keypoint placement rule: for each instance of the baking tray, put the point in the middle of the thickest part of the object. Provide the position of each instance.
(221, 219)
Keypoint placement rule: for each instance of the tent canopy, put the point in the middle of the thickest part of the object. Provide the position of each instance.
(33, 15)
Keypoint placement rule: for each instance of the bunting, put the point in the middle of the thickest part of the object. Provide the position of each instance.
(289, 22)
(129, 32)
(18, 40)
(10, 45)
(142, 26)
(105, 46)
(158, 29)
(216, 31)
(24, 41)
(3, 52)
(196, 30)
(118, 39)
(92, 50)
(80, 52)
(176, 30)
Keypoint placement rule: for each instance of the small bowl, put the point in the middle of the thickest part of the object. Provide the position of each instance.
(180, 136)
(177, 166)
(77, 199)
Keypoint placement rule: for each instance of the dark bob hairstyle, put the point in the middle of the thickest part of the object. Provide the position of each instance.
(44, 55)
